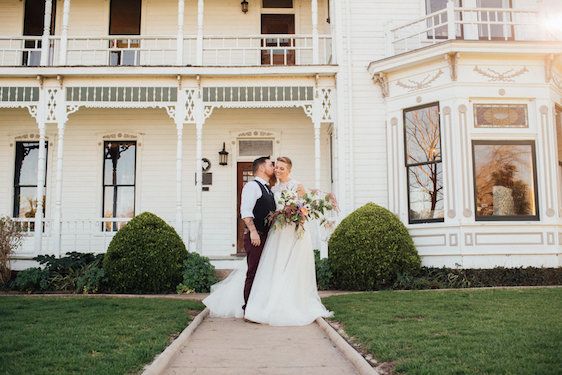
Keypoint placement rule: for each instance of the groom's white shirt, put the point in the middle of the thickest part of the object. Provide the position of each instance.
(250, 195)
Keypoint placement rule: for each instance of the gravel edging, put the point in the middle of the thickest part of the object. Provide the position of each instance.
(361, 365)
(163, 359)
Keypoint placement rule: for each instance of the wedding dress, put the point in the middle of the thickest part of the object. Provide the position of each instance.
(284, 292)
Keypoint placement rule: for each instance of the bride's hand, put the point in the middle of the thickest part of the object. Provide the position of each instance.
(300, 191)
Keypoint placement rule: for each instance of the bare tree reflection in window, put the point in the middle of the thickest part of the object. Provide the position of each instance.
(423, 161)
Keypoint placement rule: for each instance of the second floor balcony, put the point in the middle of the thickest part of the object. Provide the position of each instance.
(166, 33)
(492, 22)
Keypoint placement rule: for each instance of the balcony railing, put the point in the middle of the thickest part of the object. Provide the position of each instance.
(127, 50)
(468, 24)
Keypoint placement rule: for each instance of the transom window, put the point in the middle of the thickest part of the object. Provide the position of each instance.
(277, 4)
(25, 179)
(505, 180)
(500, 116)
(422, 138)
(255, 147)
(119, 169)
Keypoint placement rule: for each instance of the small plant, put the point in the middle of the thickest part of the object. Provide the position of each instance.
(184, 289)
(198, 273)
(10, 239)
(323, 271)
(32, 280)
(92, 279)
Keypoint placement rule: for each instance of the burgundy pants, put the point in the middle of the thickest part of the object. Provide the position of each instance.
(253, 255)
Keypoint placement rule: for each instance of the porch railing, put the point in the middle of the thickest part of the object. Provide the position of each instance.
(468, 24)
(140, 50)
(86, 235)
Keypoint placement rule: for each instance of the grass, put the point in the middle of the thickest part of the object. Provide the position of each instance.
(498, 331)
(80, 335)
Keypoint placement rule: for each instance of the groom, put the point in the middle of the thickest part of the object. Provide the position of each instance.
(256, 203)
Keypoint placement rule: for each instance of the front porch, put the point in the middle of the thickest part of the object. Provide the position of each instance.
(175, 133)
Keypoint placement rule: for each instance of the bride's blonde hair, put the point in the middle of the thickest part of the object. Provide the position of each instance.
(286, 160)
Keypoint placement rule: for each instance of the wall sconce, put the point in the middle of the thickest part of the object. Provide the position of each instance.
(223, 156)
(244, 5)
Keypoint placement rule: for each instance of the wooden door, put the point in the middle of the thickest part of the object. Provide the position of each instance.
(284, 54)
(245, 174)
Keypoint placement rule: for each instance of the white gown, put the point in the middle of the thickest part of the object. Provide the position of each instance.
(284, 292)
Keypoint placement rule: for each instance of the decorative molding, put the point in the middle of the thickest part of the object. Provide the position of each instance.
(548, 63)
(381, 79)
(394, 121)
(257, 133)
(119, 135)
(308, 110)
(557, 80)
(452, 59)
(495, 76)
(424, 83)
(327, 97)
(29, 136)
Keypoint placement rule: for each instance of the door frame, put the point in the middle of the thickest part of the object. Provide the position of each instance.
(247, 133)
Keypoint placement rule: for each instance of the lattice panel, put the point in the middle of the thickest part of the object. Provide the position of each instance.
(258, 94)
(326, 95)
(122, 94)
(19, 94)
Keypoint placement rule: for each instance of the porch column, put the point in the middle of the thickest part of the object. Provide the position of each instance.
(179, 44)
(57, 224)
(200, 8)
(46, 33)
(317, 122)
(179, 164)
(64, 33)
(315, 52)
(199, 121)
(38, 234)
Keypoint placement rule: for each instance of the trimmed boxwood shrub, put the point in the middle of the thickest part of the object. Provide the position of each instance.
(146, 255)
(369, 248)
(323, 271)
(198, 274)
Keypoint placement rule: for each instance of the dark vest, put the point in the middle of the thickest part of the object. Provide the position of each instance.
(264, 205)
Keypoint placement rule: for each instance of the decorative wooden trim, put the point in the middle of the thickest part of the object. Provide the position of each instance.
(495, 76)
(381, 79)
(424, 83)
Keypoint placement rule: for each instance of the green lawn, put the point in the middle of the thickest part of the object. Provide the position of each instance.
(515, 331)
(81, 335)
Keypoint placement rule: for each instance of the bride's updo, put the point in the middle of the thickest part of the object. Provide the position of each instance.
(286, 160)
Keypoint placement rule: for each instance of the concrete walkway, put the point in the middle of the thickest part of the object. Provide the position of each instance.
(232, 346)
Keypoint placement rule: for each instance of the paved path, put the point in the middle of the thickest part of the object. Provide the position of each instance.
(232, 347)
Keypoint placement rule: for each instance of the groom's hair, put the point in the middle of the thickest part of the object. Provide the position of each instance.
(259, 161)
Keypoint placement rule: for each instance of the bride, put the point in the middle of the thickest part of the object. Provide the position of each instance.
(284, 292)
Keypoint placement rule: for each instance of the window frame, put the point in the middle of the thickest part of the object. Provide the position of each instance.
(511, 27)
(527, 142)
(439, 37)
(115, 225)
(408, 166)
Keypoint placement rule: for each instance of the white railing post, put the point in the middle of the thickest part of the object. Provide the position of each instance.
(41, 165)
(179, 43)
(451, 25)
(64, 33)
(46, 33)
(200, 13)
(315, 44)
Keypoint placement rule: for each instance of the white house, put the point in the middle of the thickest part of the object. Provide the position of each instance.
(446, 113)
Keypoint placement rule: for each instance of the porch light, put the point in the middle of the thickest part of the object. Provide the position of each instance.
(244, 5)
(223, 156)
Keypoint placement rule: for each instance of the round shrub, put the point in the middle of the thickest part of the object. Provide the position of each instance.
(369, 248)
(146, 255)
(198, 274)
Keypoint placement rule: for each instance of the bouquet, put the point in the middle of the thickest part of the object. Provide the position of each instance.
(298, 210)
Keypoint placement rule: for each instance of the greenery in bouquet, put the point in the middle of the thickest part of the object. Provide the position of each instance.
(295, 209)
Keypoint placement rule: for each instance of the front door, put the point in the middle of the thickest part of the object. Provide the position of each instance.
(244, 175)
(278, 50)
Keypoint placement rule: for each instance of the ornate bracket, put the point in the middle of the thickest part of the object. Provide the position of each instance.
(452, 59)
(382, 80)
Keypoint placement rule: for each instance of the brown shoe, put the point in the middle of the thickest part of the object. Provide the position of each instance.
(250, 321)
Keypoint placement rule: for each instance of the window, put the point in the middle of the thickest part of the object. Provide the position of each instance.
(255, 147)
(277, 4)
(124, 19)
(439, 32)
(494, 24)
(505, 180)
(500, 116)
(33, 21)
(279, 50)
(25, 179)
(422, 138)
(119, 168)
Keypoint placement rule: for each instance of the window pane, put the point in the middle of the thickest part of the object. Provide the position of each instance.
(500, 115)
(504, 179)
(277, 3)
(108, 202)
(432, 6)
(125, 201)
(27, 155)
(423, 137)
(256, 148)
(425, 192)
(495, 24)
(26, 202)
(119, 163)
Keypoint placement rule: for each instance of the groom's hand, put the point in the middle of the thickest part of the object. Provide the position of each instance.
(255, 238)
